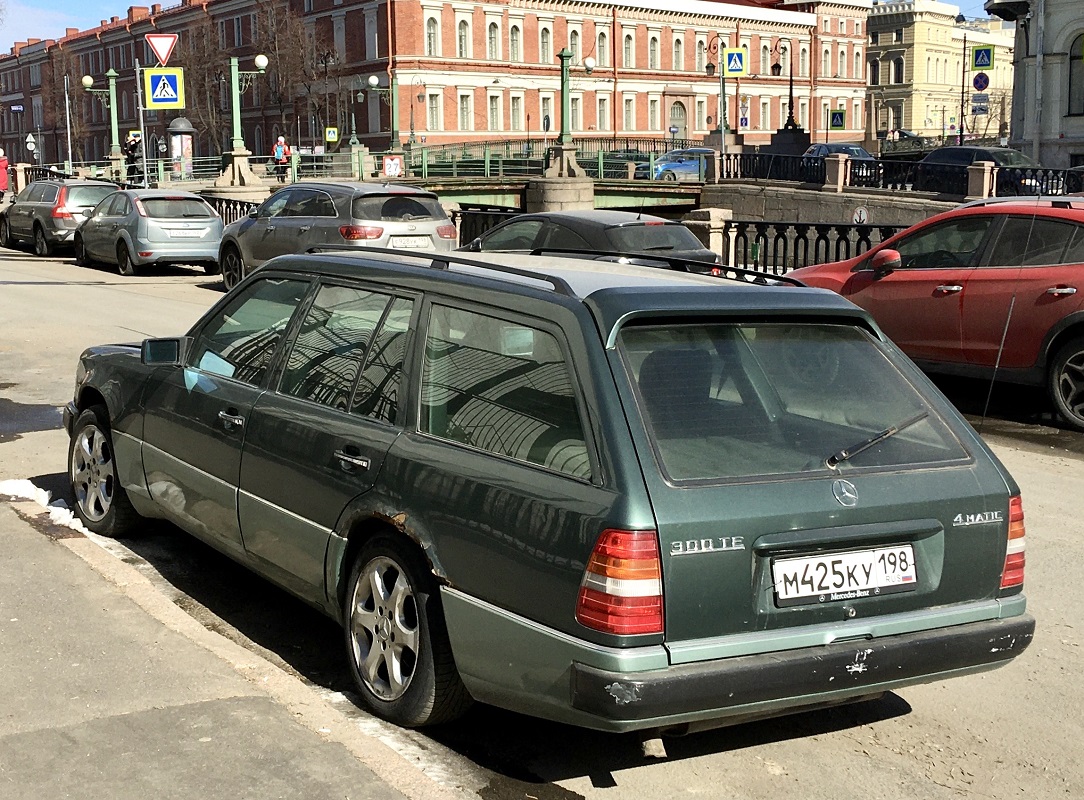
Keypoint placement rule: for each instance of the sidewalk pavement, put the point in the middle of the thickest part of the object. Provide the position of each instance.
(109, 690)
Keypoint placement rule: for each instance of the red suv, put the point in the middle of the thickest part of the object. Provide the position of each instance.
(984, 290)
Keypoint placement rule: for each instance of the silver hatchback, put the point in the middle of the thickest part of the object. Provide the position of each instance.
(315, 213)
(137, 227)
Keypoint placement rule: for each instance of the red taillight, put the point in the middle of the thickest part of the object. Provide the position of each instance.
(353, 233)
(1013, 573)
(139, 207)
(447, 232)
(60, 207)
(621, 591)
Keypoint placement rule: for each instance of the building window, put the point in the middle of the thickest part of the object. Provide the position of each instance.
(803, 63)
(574, 121)
(897, 70)
(653, 53)
(765, 57)
(432, 112)
(1076, 76)
(494, 112)
(626, 55)
(897, 35)
(857, 64)
(516, 111)
(875, 73)
(493, 42)
(803, 113)
(701, 115)
(545, 46)
(547, 110)
(842, 64)
(679, 55)
(629, 121)
(874, 37)
(603, 50)
(574, 46)
(826, 62)
(701, 56)
(465, 112)
(857, 28)
(432, 37)
(653, 115)
(463, 39)
(603, 114)
(514, 48)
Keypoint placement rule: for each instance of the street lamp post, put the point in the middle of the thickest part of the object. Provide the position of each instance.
(108, 98)
(390, 96)
(963, 91)
(240, 81)
(415, 82)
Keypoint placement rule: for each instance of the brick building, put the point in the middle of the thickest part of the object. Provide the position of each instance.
(448, 72)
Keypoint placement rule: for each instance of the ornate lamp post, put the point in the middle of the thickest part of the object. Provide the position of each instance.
(108, 98)
(240, 81)
(415, 83)
(390, 96)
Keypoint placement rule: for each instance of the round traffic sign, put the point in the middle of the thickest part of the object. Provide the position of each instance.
(861, 216)
(981, 82)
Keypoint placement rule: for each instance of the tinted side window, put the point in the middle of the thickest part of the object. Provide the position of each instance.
(377, 393)
(49, 193)
(1024, 242)
(117, 206)
(331, 344)
(275, 205)
(562, 238)
(950, 244)
(518, 235)
(502, 387)
(240, 341)
(35, 192)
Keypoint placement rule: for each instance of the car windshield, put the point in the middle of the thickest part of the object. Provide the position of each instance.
(724, 402)
(643, 238)
(1013, 158)
(852, 150)
(402, 207)
(88, 196)
(174, 207)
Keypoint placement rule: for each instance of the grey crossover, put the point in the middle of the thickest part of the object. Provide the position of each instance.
(46, 213)
(315, 214)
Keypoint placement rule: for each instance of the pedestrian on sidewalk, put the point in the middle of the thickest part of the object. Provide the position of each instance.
(280, 153)
(3, 173)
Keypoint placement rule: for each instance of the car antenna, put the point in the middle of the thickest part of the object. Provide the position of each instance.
(640, 213)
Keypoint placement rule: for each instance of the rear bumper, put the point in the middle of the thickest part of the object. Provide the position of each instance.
(795, 678)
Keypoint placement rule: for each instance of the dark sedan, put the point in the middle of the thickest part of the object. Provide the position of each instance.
(624, 232)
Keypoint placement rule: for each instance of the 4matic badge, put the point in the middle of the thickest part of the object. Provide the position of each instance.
(981, 518)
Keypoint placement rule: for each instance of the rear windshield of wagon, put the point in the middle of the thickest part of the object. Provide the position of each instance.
(725, 402)
(398, 207)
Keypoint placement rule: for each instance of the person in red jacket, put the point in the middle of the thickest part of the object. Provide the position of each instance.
(280, 153)
(3, 173)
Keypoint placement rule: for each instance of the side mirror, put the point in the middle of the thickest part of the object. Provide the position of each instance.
(164, 352)
(885, 263)
(475, 246)
(254, 213)
(88, 212)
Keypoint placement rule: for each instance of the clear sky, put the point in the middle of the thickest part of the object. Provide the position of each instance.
(47, 19)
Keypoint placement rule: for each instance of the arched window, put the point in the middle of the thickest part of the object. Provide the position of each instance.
(515, 51)
(842, 64)
(803, 63)
(875, 73)
(929, 70)
(603, 50)
(653, 53)
(701, 56)
(1076, 76)
(463, 39)
(432, 37)
(626, 55)
(679, 55)
(545, 49)
(897, 70)
(574, 46)
(826, 62)
(857, 64)
(493, 44)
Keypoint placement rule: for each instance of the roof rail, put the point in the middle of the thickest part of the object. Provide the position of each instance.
(740, 274)
(1051, 201)
(446, 260)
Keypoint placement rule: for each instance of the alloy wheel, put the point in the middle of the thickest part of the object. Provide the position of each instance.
(92, 473)
(385, 631)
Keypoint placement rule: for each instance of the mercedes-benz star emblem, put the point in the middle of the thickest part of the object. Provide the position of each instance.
(845, 493)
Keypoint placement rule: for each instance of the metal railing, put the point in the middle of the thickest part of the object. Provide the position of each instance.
(230, 210)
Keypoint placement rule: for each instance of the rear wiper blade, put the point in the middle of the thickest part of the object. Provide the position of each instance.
(657, 247)
(848, 453)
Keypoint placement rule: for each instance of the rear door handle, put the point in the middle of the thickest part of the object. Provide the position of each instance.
(1061, 290)
(232, 420)
(350, 462)
(305, 228)
(951, 288)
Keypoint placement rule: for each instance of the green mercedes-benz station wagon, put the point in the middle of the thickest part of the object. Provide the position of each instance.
(620, 497)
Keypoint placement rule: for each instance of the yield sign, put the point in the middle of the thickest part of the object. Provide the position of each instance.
(162, 45)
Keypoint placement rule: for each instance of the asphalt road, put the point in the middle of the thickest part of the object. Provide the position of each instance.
(1009, 733)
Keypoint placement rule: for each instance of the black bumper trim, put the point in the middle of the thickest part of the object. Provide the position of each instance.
(854, 667)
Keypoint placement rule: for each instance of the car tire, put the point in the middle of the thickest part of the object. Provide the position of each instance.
(1066, 382)
(668, 176)
(233, 267)
(101, 503)
(396, 639)
(211, 268)
(81, 257)
(124, 260)
(42, 248)
(5, 234)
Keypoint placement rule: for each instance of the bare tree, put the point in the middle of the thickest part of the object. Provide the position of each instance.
(63, 62)
(206, 81)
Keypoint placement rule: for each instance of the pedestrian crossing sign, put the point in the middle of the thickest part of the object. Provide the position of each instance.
(163, 87)
(837, 120)
(982, 57)
(735, 62)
